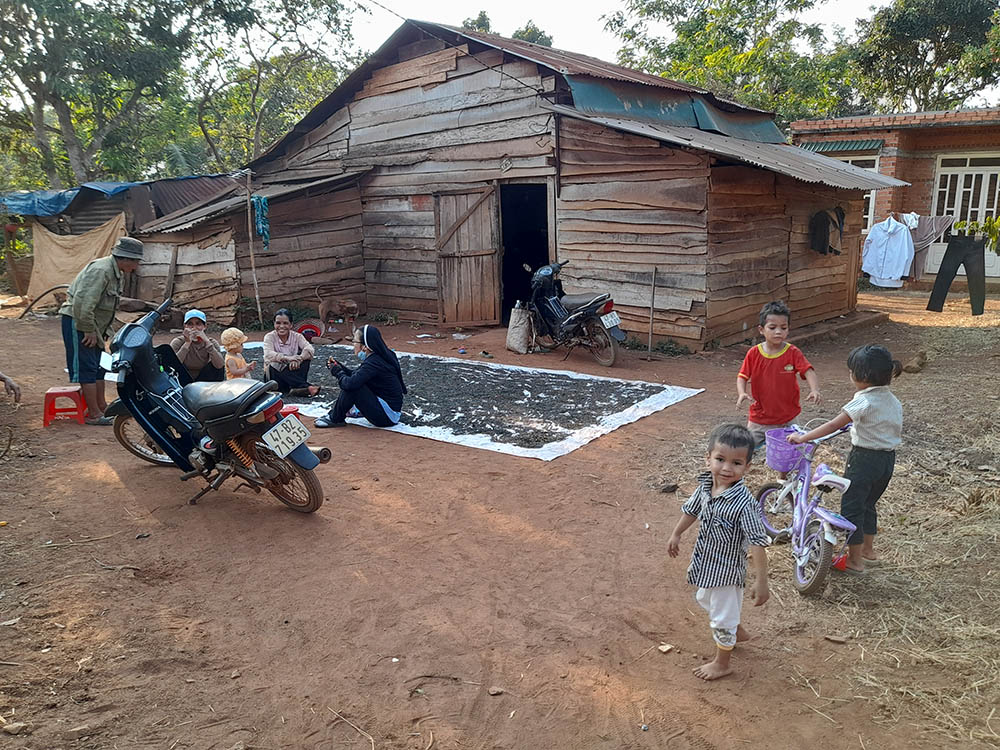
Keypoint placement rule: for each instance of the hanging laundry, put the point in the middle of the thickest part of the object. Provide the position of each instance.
(962, 251)
(888, 253)
(826, 231)
(925, 230)
(262, 224)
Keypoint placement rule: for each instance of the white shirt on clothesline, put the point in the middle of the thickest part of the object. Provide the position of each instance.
(888, 253)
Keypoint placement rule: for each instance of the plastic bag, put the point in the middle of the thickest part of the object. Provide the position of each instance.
(519, 330)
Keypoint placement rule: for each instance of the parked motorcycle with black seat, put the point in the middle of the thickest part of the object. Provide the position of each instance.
(572, 320)
(215, 431)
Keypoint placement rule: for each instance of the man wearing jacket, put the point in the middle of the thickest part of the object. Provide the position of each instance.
(87, 314)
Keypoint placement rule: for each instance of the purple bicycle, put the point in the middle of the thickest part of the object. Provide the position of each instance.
(790, 513)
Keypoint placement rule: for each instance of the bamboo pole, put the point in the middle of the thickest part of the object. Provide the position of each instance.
(253, 262)
(652, 304)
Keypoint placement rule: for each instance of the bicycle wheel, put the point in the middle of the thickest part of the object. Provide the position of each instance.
(775, 511)
(812, 566)
(135, 440)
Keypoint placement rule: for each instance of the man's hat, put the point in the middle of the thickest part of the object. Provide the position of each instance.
(128, 247)
(196, 315)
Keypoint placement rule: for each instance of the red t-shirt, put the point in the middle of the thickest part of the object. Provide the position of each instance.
(773, 384)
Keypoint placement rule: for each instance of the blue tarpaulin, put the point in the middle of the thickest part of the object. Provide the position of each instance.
(54, 202)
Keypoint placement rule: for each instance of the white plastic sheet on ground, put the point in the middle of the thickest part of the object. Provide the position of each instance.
(667, 395)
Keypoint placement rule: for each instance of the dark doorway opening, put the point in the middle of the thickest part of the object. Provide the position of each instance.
(524, 223)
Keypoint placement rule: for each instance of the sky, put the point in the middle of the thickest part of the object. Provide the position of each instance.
(573, 25)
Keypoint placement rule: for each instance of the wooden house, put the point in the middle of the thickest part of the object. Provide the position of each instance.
(450, 158)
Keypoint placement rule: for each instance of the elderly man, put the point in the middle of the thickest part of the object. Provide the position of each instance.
(198, 357)
(87, 315)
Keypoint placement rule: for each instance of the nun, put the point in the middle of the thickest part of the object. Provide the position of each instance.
(373, 391)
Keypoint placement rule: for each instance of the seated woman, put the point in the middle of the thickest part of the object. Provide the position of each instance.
(375, 389)
(287, 355)
(193, 356)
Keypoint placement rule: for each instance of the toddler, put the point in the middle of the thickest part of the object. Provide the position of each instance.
(876, 419)
(770, 369)
(236, 365)
(730, 524)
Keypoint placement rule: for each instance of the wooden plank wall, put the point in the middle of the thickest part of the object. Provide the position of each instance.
(821, 286)
(626, 204)
(759, 251)
(437, 121)
(205, 275)
(315, 240)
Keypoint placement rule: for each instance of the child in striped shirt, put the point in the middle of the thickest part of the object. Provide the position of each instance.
(730, 526)
(876, 419)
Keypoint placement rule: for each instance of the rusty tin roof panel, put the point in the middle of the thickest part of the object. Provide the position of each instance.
(777, 157)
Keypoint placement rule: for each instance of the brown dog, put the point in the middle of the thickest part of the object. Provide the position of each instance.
(331, 308)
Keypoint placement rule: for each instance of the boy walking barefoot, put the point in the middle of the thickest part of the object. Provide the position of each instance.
(770, 370)
(730, 524)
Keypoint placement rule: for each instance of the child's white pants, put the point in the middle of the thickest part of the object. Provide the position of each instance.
(723, 604)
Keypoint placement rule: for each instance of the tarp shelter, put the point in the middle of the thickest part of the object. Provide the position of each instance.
(60, 257)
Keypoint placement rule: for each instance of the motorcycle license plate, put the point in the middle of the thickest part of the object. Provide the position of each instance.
(611, 320)
(286, 436)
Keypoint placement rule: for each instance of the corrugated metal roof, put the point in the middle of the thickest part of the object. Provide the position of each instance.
(777, 157)
(174, 193)
(181, 220)
(836, 147)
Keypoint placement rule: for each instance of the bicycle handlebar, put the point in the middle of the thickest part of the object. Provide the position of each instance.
(823, 439)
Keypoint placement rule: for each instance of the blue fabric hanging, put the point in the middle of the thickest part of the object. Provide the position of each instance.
(261, 222)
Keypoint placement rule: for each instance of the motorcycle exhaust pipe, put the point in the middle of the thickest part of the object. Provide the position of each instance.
(323, 454)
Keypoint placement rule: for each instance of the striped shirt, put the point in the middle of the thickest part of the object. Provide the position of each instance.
(877, 418)
(729, 525)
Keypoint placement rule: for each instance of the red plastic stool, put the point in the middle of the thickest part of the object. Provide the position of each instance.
(74, 394)
(289, 409)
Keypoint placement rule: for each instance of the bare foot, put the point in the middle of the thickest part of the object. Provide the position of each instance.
(313, 390)
(742, 634)
(858, 568)
(871, 555)
(711, 671)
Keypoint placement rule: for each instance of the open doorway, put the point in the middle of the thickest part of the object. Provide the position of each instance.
(525, 232)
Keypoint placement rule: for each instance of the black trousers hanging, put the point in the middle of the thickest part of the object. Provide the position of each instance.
(962, 251)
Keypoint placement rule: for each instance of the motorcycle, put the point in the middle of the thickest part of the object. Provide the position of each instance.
(572, 320)
(214, 431)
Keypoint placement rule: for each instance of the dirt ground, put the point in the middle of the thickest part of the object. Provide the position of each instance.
(433, 573)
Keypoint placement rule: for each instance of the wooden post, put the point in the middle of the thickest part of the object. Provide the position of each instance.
(168, 289)
(253, 262)
(652, 304)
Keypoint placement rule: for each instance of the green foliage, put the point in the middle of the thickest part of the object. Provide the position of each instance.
(531, 33)
(988, 228)
(756, 52)
(479, 23)
(928, 54)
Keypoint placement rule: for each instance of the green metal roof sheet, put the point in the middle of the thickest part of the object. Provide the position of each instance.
(830, 147)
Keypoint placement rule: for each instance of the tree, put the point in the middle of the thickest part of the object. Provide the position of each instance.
(479, 23)
(531, 33)
(928, 54)
(93, 64)
(756, 52)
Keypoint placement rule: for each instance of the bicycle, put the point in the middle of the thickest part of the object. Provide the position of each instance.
(788, 510)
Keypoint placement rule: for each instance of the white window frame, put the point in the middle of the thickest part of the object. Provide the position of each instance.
(868, 218)
(983, 209)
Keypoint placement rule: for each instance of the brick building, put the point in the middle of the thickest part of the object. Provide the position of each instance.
(950, 159)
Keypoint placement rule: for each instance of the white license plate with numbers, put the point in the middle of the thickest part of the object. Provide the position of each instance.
(611, 320)
(286, 436)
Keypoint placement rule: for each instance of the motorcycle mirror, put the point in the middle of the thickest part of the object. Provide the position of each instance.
(526, 267)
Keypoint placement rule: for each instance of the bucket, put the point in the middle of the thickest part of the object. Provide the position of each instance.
(782, 455)
(289, 409)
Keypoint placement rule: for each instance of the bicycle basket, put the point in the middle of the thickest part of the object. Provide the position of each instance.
(782, 455)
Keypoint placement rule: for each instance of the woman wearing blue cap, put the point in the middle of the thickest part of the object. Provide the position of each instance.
(198, 356)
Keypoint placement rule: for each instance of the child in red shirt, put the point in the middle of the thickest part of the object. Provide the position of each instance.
(771, 368)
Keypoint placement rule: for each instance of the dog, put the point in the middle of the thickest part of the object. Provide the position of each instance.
(331, 308)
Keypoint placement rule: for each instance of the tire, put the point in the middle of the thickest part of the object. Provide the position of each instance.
(135, 440)
(298, 488)
(811, 578)
(777, 519)
(603, 346)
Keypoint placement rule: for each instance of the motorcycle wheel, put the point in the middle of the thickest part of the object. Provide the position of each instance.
(135, 440)
(543, 342)
(298, 488)
(602, 345)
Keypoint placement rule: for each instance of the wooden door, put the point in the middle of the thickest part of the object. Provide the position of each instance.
(468, 242)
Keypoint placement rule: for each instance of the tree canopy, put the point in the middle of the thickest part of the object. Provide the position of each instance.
(531, 33)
